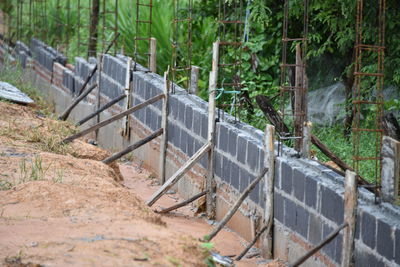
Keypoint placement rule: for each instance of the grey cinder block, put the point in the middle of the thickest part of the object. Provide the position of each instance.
(242, 149)
(311, 192)
(332, 205)
(368, 229)
(279, 207)
(385, 241)
(299, 184)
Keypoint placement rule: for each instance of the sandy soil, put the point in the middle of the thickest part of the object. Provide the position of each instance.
(61, 206)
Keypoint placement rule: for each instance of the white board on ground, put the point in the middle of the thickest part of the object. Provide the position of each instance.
(12, 93)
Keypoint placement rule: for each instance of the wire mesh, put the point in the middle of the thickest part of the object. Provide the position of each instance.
(230, 32)
(84, 8)
(182, 44)
(368, 98)
(62, 20)
(293, 84)
(143, 27)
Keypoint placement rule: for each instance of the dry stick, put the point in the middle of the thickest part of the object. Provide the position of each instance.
(133, 147)
(179, 174)
(183, 203)
(269, 162)
(350, 213)
(238, 258)
(235, 207)
(106, 106)
(164, 125)
(76, 101)
(210, 183)
(114, 118)
(319, 246)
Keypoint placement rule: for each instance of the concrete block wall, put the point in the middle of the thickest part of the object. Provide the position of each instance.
(308, 198)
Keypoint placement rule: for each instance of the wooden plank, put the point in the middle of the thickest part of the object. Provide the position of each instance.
(183, 203)
(112, 119)
(179, 174)
(133, 147)
(106, 106)
(164, 125)
(75, 102)
(153, 55)
(236, 206)
(350, 213)
(210, 183)
(269, 162)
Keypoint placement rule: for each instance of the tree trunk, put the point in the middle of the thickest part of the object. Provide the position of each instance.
(94, 32)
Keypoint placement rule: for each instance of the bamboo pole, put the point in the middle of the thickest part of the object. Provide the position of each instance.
(266, 227)
(350, 213)
(125, 122)
(112, 119)
(235, 207)
(210, 183)
(98, 96)
(306, 141)
(164, 125)
(179, 174)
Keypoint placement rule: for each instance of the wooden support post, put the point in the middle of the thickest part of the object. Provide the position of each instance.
(183, 203)
(236, 206)
(269, 162)
(98, 97)
(350, 213)
(306, 141)
(106, 106)
(75, 102)
(210, 183)
(88, 78)
(298, 97)
(164, 125)
(179, 174)
(125, 122)
(112, 119)
(133, 147)
(194, 80)
(153, 55)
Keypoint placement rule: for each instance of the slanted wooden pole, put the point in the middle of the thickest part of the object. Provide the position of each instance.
(236, 206)
(183, 203)
(106, 106)
(112, 119)
(179, 174)
(133, 147)
(210, 183)
(350, 213)
(76, 101)
(164, 125)
(241, 255)
(153, 55)
(314, 250)
(306, 141)
(194, 80)
(269, 162)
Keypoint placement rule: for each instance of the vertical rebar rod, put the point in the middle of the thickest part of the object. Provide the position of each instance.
(143, 32)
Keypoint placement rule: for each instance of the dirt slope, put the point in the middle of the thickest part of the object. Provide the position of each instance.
(60, 206)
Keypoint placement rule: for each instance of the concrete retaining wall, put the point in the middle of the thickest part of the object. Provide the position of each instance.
(308, 202)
